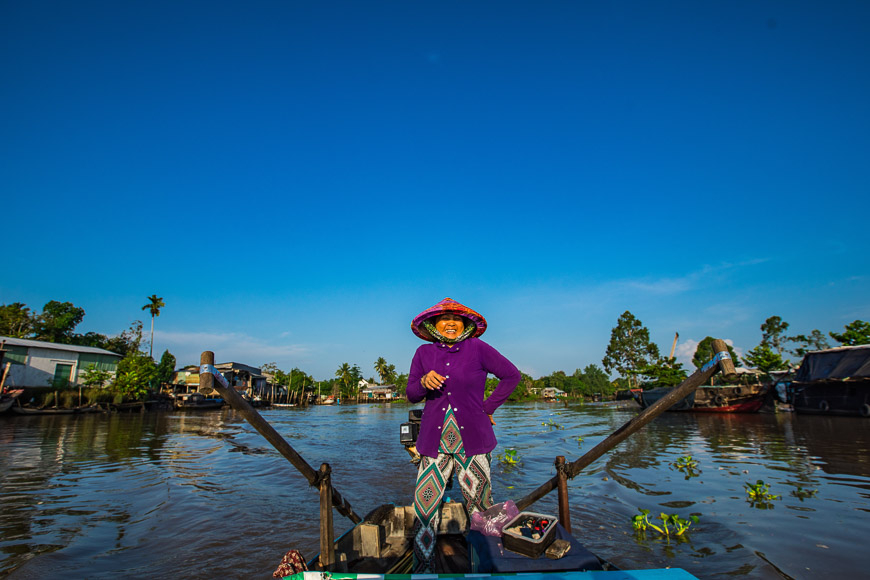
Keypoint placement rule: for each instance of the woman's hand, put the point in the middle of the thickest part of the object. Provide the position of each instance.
(432, 381)
(491, 420)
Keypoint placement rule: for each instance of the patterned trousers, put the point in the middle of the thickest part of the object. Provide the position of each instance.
(432, 478)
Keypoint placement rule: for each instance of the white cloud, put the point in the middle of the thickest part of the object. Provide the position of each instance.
(228, 347)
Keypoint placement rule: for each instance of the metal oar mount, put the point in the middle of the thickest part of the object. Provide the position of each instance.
(721, 361)
(207, 376)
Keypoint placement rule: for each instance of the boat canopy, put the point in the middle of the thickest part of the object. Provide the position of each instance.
(847, 362)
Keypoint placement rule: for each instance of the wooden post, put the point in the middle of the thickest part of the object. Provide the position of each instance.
(564, 509)
(266, 430)
(327, 543)
(720, 361)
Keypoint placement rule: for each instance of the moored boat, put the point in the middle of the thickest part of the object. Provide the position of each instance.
(197, 402)
(712, 399)
(835, 381)
(8, 398)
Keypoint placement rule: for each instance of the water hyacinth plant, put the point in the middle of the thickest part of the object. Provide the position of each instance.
(509, 457)
(803, 493)
(687, 465)
(671, 523)
(552, 424)
(759, 495)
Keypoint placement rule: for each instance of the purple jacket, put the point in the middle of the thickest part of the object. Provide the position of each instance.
(465, 365)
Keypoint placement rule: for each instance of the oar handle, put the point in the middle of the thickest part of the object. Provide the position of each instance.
(721, 361)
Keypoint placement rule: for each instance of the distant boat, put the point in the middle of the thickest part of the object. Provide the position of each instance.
(328, 401)
(835, 381)
(8, 398)
(197, 402)
(721, 399)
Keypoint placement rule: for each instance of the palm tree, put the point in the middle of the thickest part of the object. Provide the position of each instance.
(154, 305)
(382, 368)
(343, 374)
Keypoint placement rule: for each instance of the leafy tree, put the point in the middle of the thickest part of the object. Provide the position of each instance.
(57, 322)
(815, 341)
(344, 376)
(765, 359)
(595, 380)
(297, 379)
(773, 333)
(386, 371)
(16, 320)
(95, 378)
(165, 368)
(630, 347)
(401, 384)
(857, 332)
(154, 305)
(664, 373)
(94, 339)
(135, 373)
(128, 341)
(704, 353)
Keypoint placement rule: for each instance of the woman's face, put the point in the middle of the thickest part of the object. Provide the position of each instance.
(450, 325)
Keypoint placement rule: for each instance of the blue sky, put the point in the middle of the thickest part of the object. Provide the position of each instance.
(297, 180)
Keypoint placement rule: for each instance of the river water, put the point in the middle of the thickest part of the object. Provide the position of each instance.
(202, 495)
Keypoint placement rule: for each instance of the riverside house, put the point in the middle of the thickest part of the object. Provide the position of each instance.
(371, 392)
(35, 363)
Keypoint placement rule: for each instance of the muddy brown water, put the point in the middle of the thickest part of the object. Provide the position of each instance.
(202, 495)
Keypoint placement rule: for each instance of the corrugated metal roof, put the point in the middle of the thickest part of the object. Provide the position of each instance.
(53, 345)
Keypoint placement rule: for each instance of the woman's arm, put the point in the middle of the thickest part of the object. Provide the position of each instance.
(509, 377)
(415, 390)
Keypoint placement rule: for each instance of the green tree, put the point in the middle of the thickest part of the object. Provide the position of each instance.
(401, 384)
(765, 359)
(129, 341)
(93, 377)
(163, 374)
(857, 332)
(382, 367)
(704, 353)
(57, 322)
(773, 333)
(136, 371)
(154, 305)
(664, 373)
(629, 348)
(815, 341)
(344, 376)
(16, 320)
(596, 380)
(94, 339)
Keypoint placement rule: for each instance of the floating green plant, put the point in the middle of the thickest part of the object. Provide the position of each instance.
(509, 457)
(687, 465)
(579, 441)
(552, 424)
(671, 523)
(685, 462)
(759, 495)
(803, 493)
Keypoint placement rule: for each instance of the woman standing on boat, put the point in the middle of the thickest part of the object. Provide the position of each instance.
(456, 429)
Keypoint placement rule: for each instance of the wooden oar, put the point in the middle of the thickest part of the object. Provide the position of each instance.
(207, 375)
(720, 361)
